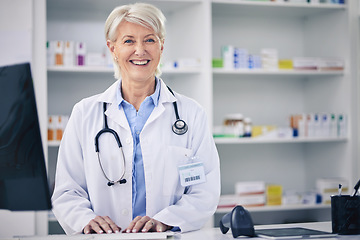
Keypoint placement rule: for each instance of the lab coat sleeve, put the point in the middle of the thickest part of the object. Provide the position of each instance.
(70, 199)
(199, 203)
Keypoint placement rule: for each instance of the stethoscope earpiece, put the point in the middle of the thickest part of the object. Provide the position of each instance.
(121, 181)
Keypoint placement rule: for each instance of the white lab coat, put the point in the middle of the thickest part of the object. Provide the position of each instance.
(81, 190)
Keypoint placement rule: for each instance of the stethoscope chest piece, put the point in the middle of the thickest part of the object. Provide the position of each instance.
(180, 127)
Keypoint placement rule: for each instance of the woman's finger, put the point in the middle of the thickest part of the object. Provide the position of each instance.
(132, 224)
(114, 228)
(94, 226)
(149, 225)
(101, 225)
(140, 224)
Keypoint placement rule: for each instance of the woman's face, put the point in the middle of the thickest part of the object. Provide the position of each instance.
(138, 50)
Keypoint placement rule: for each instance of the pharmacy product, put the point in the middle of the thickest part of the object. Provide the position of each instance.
(333, 125)
(234, 125)
(59, 53)
(269, 59)
(69, 53)
(227, 54)
(303, 63)
(80, 53)
(342, 125)
(247, 127)
(50, 53)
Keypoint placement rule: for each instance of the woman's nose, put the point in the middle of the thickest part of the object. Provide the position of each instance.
(140, 49)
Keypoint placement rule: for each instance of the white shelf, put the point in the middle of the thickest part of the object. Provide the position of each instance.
(80, 9)
(221, 71)
(99, 69)
(233, 7)
(53, 143)
(279, 208)
(103, 69)
(220, 140)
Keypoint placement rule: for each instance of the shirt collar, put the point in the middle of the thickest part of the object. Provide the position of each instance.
(155, 96)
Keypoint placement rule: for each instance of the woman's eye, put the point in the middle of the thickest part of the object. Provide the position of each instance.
(150, 40)
(128, 41)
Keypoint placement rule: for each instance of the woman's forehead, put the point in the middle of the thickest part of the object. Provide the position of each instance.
(129, 28)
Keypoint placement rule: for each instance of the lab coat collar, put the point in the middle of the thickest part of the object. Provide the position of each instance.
(109, 96)
(118, 115)
(154, 96)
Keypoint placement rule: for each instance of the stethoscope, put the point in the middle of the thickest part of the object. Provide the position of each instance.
(179, 127)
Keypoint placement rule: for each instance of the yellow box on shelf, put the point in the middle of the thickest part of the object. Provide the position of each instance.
(273, 194)
(286, 64)
(261, 130)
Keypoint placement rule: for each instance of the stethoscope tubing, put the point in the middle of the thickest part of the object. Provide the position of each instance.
(179, 127)
(106, 129)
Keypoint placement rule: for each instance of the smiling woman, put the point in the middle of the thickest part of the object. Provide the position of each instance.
(136, 51)
(144, 15)
(169, 175)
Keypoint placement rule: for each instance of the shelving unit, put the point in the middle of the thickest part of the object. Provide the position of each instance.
(270, 97)
(198, 29)
(100, 69)
(279, 208)
(255, 72)
(258, 140)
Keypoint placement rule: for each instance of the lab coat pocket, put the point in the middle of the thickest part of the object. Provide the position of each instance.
(175, 157)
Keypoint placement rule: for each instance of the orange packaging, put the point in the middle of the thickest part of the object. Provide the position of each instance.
(59, 53)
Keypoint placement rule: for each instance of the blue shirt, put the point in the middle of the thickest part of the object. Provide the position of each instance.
(137, 120)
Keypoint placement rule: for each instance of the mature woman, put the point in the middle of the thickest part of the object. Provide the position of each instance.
(166, 174)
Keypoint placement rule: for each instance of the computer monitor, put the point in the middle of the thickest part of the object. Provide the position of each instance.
(23, 178)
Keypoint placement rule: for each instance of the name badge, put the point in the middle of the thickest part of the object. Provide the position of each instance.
(191, 174)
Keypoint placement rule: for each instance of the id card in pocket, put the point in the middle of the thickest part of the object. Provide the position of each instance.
(191, 174)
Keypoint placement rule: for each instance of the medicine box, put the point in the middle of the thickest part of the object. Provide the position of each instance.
(227, 54)
(217, 63)
(59, 53)
(69, 53)
(285, 64)
(248, 188)
(230, 201)
(330, 186)
(331, 64)
(269, 59)
(305, 63)
(95, 59)
(273, 194)
(80, 53)
(187, 63)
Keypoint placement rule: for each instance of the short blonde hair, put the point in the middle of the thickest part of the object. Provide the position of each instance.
(143, 14)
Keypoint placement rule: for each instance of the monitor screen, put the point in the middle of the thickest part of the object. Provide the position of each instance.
(23, 178)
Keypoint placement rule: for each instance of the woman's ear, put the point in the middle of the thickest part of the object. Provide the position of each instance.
(110, 45)
(162, 45)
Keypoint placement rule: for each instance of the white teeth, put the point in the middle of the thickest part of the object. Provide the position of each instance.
(140, 62)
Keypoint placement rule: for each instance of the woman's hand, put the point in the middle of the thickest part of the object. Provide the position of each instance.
(146, 224)
(101, 225)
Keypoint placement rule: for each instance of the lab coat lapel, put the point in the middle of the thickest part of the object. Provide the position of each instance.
(117, 115)
(113, 112)
(165, 97)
